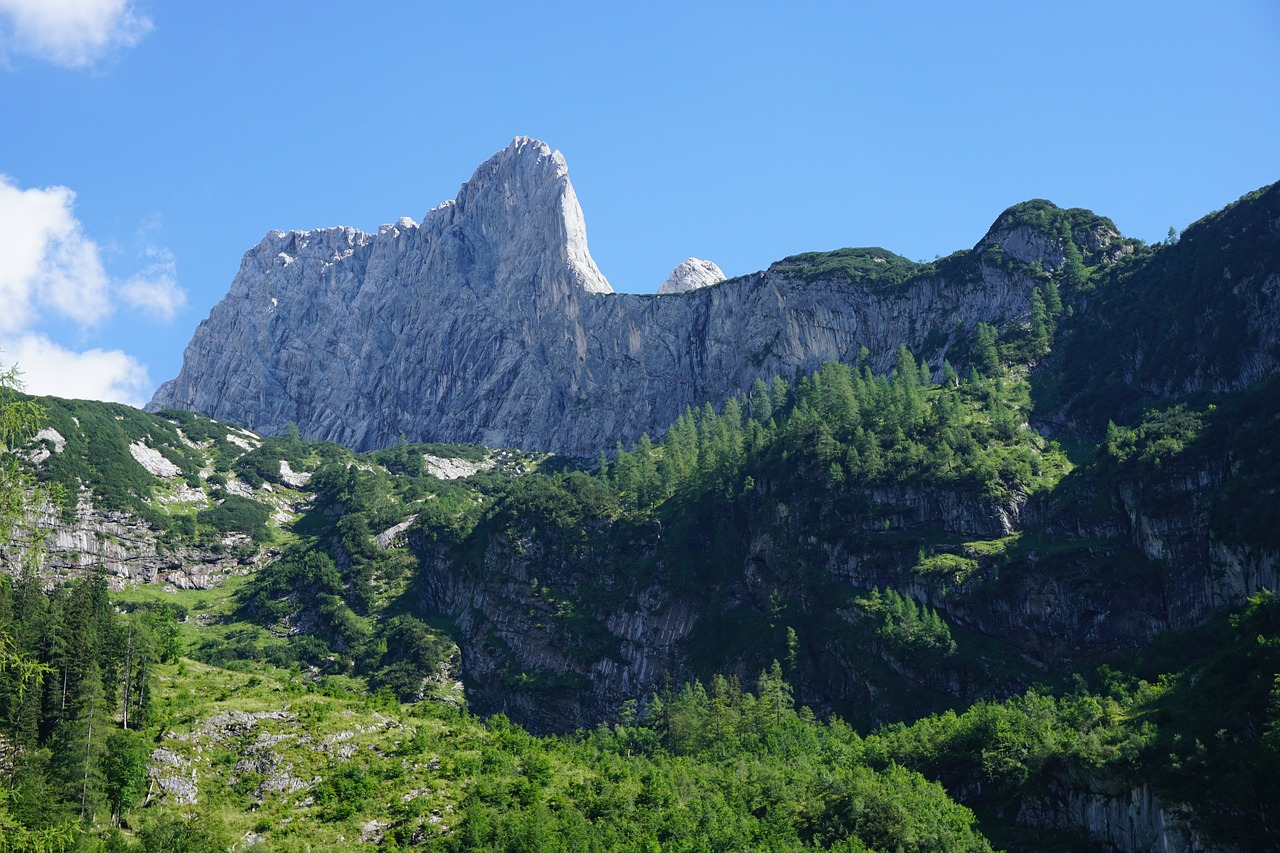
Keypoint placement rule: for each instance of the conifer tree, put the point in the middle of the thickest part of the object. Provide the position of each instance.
(761, 404)
(1074, 273)
(1052, 302)
(1039, 324)
(775, 698)
(987, 356)
(124, 768)
(777, 395)
(949, 378)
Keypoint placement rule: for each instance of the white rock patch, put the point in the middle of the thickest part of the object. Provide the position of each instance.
(453, 469)
(386, 537)
(51, 434)
(295, 479)
(42, 453)
(153, 461)
(240, 441)
(184, 494)
(203, 445)
(238, 487)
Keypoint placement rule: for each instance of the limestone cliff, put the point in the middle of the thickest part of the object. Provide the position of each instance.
(489, 323)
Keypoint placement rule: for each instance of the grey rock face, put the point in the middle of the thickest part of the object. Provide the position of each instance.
(489, 323)
(1131, 821)
(127, 548)
(691, 274)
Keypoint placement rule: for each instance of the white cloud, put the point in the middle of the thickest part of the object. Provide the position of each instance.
(49, 269)
(155, 290)
(73, 33)
(98, 374)
(47, 261)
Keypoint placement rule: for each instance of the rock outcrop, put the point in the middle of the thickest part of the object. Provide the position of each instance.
(125, 547)
(691, 274)
(1131, 822)
(489, 323)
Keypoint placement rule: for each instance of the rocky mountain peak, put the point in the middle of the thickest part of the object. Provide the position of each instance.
(691, 274)
(1038, 230)
(320, 325)
(520, 206)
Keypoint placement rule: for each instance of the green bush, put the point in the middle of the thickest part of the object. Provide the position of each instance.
(237, 514)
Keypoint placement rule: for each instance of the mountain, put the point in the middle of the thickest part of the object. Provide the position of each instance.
(489, 322)
(1025, 557)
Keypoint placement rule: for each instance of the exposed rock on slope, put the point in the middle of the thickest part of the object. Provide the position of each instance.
(1167, 569)
(126, 548)
(135, 496)
(489, 323)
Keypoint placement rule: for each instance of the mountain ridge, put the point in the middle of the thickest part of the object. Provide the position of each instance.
(490, 324)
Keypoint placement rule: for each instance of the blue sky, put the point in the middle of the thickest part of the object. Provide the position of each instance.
(148, 145)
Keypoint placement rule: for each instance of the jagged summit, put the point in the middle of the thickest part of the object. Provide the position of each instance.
(518, 209)
(521, 204)
(336, 302)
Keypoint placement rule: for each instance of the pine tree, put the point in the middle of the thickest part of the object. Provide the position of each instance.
(1074, 274)
(761, 404)
(908, 391)
(78, 744)
(949, 378)
(731, 417)
(839, 398)
(124, 768)
(987, 355)
(1039, 325)
(1052, 302)
(905, 367)
(775, 698)
(648, 482)
(825, 447)
(777, 395)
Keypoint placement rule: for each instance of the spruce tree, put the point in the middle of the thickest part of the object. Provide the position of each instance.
(777, 395)
(1074, 274)
(1052, 301)
(1039, 325)
(949, 377)
(987, 355)
(761, 405)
